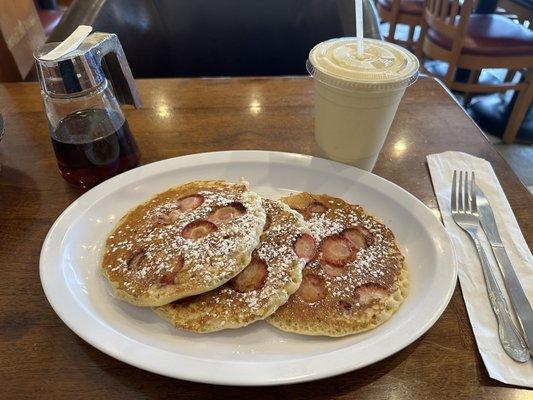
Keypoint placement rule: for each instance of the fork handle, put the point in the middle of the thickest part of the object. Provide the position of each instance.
(510, 337)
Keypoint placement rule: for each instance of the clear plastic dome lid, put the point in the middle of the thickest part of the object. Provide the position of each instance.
(382, 66)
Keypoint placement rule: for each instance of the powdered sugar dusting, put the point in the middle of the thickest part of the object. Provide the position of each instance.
(161, 243)
(276, 250)
(379, 263)
(225, 305)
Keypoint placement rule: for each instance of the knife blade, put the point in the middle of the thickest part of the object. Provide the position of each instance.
(519, 301)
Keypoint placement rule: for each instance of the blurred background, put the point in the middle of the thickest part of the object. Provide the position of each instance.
(480, 49)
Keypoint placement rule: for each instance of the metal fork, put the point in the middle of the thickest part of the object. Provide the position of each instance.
(465, 214)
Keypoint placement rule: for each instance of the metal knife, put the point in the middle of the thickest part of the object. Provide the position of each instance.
(519, 301)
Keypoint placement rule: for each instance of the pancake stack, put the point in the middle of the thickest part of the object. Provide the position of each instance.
(213, 255)
(274, 273)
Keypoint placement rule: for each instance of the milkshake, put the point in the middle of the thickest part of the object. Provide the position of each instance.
(356, 96)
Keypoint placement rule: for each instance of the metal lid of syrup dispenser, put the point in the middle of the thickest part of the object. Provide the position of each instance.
(82, 70)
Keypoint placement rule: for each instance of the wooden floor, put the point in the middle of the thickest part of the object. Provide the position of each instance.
(519, 157)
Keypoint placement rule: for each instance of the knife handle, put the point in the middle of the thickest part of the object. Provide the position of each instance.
(510, 337)
(519, 301)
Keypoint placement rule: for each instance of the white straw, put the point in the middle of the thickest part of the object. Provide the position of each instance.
(359, 26)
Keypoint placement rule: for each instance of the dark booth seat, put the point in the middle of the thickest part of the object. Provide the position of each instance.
(186, 38)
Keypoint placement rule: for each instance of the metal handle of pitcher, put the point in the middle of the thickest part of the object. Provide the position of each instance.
(109, 53)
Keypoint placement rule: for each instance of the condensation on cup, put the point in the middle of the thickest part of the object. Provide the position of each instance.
(356, 96)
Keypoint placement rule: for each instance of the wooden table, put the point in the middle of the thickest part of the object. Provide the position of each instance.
(40, 357)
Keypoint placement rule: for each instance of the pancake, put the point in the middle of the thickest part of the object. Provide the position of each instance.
(356, 280)
(185, 241)
(274, 273)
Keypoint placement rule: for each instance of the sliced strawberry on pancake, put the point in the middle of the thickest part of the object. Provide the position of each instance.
(312, 289)
(359, 236)
(370, 293)
(198, 229)
(332, 270)
(253, 277)
(226, 213)
(190, 202)
(316, 207)
(169, 278)
(337, 250)
(305, 247)
(136, 260)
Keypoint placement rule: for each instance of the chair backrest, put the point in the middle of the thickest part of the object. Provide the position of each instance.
(186, 38)
(449, 18)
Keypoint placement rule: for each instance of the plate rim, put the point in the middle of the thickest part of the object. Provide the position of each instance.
(222, 156)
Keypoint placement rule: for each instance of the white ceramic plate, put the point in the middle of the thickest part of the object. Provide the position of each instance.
(258, 354)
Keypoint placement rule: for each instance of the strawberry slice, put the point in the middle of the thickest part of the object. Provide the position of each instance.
(312, 289)
(161, 219)
(346, 305)
(316, 208)
(174, 215)
(190, 202)
(370, 293)
(224, 214)
(359, 236)
(253, 277)
(169, 278)
(136, 260)
(166, 219)
(332, 270)
(305, 247)
(198, 229)
(337, 250)
(369, 238)
(355, 236)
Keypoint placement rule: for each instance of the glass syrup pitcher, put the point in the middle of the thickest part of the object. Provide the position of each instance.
(81, 91)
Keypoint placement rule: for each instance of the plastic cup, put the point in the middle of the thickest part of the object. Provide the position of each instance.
(356, 98)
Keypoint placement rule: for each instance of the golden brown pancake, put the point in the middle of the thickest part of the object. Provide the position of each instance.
(357, 278)
(182, 242)
(274, 273)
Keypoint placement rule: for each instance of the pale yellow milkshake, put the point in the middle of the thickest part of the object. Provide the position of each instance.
(356, 98)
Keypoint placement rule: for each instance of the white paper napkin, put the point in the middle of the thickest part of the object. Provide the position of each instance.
(441, 166)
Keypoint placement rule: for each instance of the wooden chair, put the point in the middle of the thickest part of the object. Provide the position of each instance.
(407, 12)
(475, 41)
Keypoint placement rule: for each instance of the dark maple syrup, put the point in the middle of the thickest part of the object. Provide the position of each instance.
(93, 145)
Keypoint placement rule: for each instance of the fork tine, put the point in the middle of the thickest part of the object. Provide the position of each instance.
(454, 191)
(473, 193)
(467, 194)
(460, 206)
